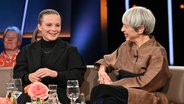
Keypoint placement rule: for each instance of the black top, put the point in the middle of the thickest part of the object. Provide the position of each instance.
(47, 52)
(57, 55)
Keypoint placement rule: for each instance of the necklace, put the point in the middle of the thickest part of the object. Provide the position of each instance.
(47, 51)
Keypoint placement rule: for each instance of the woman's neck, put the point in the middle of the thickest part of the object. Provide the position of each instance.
(11, 52)
(141, 40)
(48, 44)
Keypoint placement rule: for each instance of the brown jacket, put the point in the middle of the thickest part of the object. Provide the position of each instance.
(151, 61)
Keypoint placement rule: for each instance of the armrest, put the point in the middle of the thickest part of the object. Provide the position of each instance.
(6, 74)
(175, 88)
(90, 80)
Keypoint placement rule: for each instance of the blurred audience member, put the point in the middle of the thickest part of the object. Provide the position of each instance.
(12, 40)
(37, 35)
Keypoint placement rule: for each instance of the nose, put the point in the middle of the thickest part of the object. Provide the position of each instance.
(10, 38)
(122, 29)
(53, 28)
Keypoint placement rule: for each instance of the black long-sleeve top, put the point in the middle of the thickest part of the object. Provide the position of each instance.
(57, 55)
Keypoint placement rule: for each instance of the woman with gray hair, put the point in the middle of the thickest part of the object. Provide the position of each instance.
(140, 65)
(12, 40)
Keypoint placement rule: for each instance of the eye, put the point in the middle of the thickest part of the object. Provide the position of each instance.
(126, 26)
(49, 24)
(10, 37)
(58, 25)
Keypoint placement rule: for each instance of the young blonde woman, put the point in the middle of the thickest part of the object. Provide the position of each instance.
(50, 60)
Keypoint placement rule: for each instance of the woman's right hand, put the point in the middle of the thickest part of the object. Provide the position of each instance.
(33, 77)
(103, 77)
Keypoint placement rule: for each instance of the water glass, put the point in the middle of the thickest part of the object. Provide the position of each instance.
(53, 97)
(18, 87)
(10, 92)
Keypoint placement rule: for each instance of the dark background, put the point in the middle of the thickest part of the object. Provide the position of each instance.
(81, 19)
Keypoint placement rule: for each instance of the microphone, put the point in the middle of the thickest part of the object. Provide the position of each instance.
(135, 56)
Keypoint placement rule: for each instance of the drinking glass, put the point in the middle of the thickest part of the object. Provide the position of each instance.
(18, 87)
(72, 90)
(10, 92)
(9, 89)
(53, 97)
(81, 99)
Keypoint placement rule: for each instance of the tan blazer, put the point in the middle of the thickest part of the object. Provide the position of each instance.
(151, 61)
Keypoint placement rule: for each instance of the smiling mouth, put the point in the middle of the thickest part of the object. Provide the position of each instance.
(53, 34)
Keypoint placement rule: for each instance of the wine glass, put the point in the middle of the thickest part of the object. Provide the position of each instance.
(72, 90)
(18, 87)
(81, 99)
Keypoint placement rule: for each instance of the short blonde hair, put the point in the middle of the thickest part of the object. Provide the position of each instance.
(139, 16)
(46, 12)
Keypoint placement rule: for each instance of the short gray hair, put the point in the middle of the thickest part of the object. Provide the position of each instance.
(13, 28)
(137, 16)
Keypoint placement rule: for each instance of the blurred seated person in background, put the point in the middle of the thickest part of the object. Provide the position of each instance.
(140, 63)
(1, 45)
(37, 35)
(12, 40)
(50, 60)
